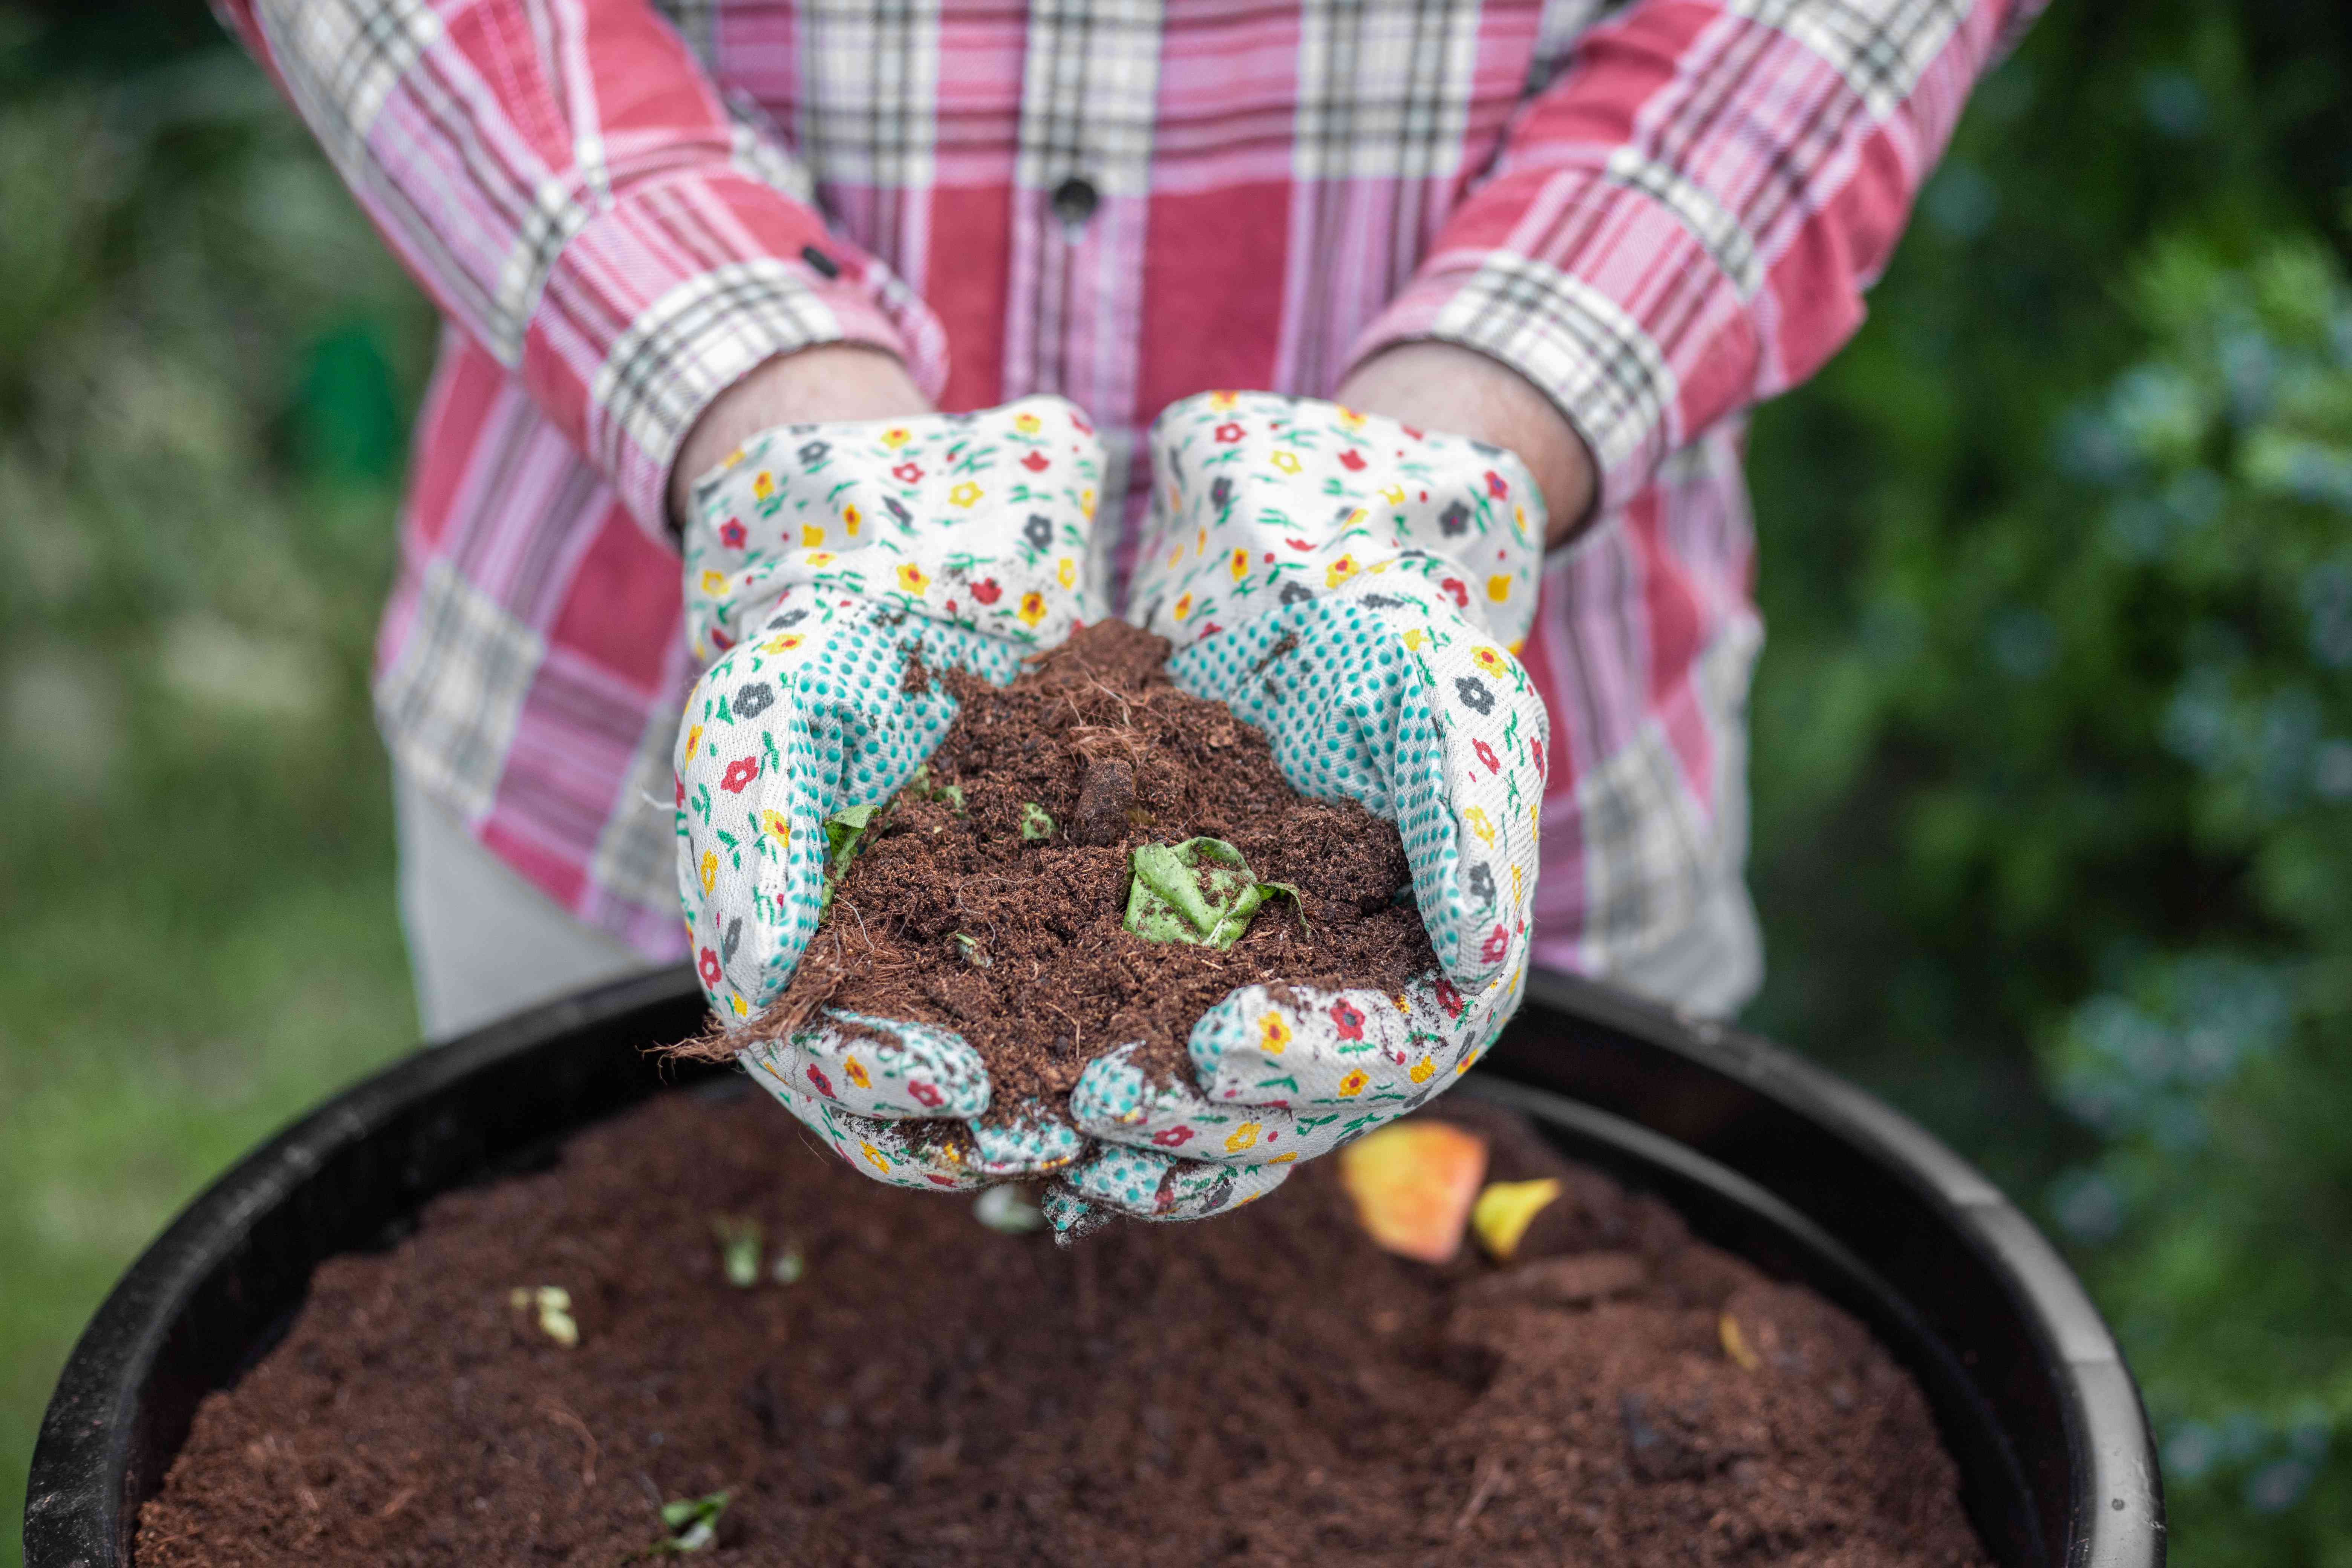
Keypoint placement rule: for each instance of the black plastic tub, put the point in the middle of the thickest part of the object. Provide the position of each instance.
(1795, 1170)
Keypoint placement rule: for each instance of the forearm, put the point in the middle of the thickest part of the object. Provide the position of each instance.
(1438, 386)
(831, 381)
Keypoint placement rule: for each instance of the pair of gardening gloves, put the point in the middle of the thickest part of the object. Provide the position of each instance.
(1347, 585)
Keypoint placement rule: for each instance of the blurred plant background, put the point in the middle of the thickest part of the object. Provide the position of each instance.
(2053, 731)
(206, 362)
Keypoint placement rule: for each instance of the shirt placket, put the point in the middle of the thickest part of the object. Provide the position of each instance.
(1081, 204)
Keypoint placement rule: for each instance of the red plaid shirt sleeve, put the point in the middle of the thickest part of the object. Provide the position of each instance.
(566, 182)
(1683, 222)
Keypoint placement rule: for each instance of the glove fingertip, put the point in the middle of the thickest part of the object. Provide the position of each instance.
(1034, 1142)
(1110, 1093)
(1071, 1216)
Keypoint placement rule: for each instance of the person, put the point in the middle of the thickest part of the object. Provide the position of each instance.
(1588, 238)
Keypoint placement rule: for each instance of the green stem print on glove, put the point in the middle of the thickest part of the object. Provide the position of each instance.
(1200, 891)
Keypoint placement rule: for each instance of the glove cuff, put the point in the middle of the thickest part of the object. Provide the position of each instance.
(979, 520)
(1261, 501)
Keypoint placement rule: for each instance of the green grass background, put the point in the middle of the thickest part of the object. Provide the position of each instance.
(2053, 731)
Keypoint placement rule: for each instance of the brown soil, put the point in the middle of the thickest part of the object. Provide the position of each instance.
(1262, 1388)
(952, 918)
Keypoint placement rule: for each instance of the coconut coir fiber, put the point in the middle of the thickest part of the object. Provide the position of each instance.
(1262, 1388)
(949, 916)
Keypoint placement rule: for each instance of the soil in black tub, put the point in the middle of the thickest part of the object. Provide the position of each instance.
(1264, 1387)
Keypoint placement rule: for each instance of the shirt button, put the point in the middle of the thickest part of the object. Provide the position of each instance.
(1075, 200)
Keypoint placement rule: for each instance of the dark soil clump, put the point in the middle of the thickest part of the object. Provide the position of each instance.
(1262, 1388)
(949, 915)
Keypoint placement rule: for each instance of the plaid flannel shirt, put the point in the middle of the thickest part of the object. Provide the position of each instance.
(1657, 214)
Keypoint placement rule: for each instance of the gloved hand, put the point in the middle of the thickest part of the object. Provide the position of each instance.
(1350, 587)
(820, 559)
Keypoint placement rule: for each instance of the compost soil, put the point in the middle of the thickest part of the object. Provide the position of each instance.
(949, 915)
(1264, 1388)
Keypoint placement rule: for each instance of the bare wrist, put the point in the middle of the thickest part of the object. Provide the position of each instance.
(1440, 386)
(829, 382)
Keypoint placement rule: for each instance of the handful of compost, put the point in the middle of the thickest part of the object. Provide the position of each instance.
(1316, 571)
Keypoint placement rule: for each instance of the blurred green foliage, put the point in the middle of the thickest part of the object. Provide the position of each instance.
(204, 362)
(2053, 732)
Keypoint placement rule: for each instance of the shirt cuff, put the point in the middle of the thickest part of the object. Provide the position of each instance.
(676, 290)
(1580, 331)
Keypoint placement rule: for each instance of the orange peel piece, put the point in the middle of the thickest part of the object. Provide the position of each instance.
(1413, 1184)
(1503, 1211)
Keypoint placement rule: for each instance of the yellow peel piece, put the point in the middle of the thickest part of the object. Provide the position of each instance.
(1504, 1210)
(1735, 1345)
(1413, 1184)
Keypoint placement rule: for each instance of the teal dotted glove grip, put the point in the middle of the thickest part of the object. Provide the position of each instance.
(1347, 585)
(821, 560)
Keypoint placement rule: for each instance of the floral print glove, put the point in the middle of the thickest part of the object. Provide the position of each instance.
(1355, 589)
(819, 561)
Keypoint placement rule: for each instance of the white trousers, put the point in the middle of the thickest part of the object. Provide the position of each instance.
(482, 941)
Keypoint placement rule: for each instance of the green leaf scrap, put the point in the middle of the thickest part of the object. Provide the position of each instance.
(844, 832)
(925, 786)
(552, 1307)
(1200, 891)
(739, 1249)
(692, 1523)
(1008, 1211)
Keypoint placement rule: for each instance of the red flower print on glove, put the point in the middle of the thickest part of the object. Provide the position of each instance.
(1347, 1020)
(740, 774)
(1498, 942)
(986, 590)
(926, 1093)
(707, 967)
(1172, 1137)
(730, 533)
(1456, 592)
(1353, 460)
(1486, 756)
(907, 473)
(1494, 485)
(823, 1084)
(1228, 434)
(1036, 462)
